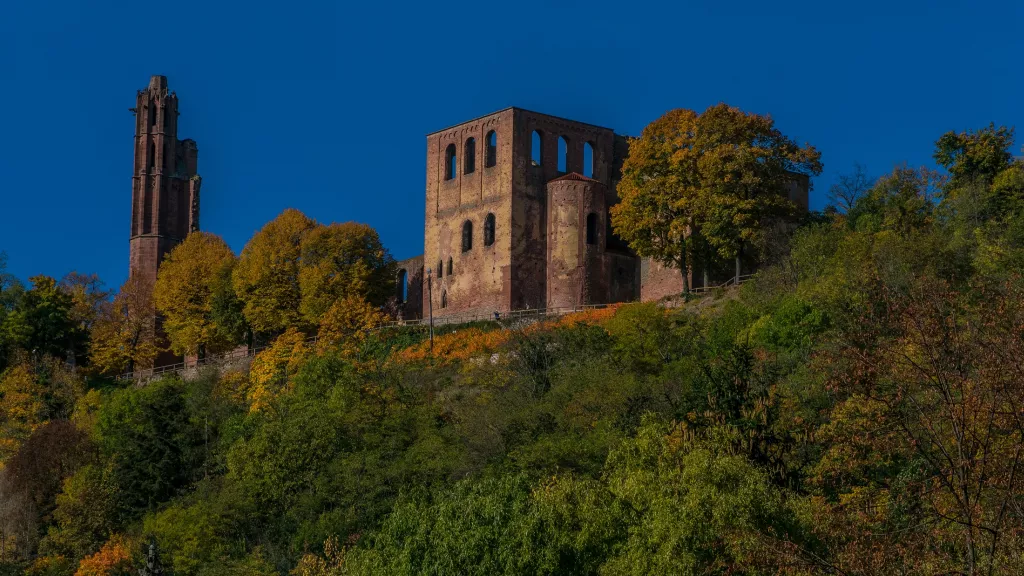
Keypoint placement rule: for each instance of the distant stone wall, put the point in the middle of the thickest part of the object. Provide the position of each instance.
(409, 287)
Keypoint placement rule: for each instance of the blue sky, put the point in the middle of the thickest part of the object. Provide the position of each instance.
(324, 107)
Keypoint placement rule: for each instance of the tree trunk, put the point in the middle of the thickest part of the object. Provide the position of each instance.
(739, 255)
(683, 271)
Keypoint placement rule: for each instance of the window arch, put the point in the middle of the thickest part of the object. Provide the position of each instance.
(440, 269)
(489, 230)
(444, 299)
(536, 148)
(588, 160)
(467, 236)
(403, 286)
(450, 162)
(469, 156)
(451, 268)
(563, 154)
(492, 149)
(592, 228)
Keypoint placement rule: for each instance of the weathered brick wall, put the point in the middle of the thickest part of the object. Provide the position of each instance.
(658, 280)
(410, 284)
(164, 196)
(479, 281)
(529, 221)
(578, 272)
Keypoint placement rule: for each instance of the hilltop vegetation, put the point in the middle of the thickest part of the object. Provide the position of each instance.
(854, 409)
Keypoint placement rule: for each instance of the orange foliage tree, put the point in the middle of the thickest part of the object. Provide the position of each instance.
(113, 559)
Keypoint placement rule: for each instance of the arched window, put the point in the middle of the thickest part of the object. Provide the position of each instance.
(467, 236)
(592, 228)
(489, 230)
(444, 299)
(563, 154)
(536, 148)
(451, 268)
(152, 156)
(440, 269)
(469, 156)
(167, 118)
(450, 162)
(492, 149)
(403, 286)
(588, 160)
(152, 115)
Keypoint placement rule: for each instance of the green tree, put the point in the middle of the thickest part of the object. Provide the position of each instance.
(191, 293)
(152, 444)
(974, 156)
(11, 292)
(85, 514)
(44, 322)
(266, 277)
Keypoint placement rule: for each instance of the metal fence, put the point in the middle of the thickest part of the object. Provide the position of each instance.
(446, 320)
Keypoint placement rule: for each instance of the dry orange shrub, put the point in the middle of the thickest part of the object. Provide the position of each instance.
(113, 559)
(464, 344)
(457, 346)
(589, 316)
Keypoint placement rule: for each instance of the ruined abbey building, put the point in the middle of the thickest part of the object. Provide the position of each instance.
(165, 185)
(165, 189)
(517, 218)
(516, 213)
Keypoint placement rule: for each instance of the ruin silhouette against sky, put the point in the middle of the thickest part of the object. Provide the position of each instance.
(324, 107)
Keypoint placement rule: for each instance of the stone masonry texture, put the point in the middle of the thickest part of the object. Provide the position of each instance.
(165, 187)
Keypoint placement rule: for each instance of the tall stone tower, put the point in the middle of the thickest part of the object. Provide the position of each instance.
(165, 186)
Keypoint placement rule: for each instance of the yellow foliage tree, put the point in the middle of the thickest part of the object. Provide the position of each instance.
(22, 408)
(719, 173)
(266, 278)
(122, 333)
(268, 377)
(342, 260)
(186, 290)
(347, 324)
(113, 559)
(332, 563)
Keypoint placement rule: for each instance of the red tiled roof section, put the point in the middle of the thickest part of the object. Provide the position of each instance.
(574, 176)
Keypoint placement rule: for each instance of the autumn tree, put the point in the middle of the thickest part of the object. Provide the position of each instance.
(186, 292)
(87, 295)
(342, 260)
(22, 407)
(347, 324)
(122, 333)
(701, 186)
(113, 559)
(32, 478)
(266, 277)
(925, 453)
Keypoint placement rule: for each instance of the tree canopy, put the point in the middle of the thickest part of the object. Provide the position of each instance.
(698, 187)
